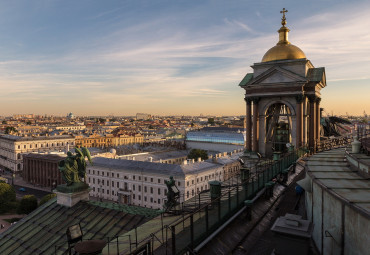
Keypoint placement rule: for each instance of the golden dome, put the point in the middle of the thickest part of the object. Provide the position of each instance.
(283, 49)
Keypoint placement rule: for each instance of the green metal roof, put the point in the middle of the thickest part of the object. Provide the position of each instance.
(316, 74)
(44, 230)
(247, 78)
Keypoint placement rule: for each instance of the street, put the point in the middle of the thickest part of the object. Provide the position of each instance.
(29, 191)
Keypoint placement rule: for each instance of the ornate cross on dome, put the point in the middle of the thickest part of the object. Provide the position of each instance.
(283, 20)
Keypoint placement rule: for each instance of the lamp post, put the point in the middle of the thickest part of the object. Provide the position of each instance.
(13, 177)
(52, 186)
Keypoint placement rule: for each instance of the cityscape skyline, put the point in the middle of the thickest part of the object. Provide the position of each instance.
(166, 58)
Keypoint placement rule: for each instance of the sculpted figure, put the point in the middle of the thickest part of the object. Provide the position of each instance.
(73, 168)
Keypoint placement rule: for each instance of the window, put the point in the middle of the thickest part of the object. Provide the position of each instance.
(30, 146)
(93, 181)
(201, 179)
(102, 173)
(98, 172)
(187, 184)
(139, 188)
(159, 180)
(112, 174)
(133, 177)
(133, 196)
(145, 199)
(117, 184)
(113, 192)
(145, 190)
(192, 192)
(25, 146)
(102, 182)
(113, 184)
(139, 197)
(93, 171)
(151, 179)
(107, 183)
(179, 184)
(159, 200)
(187, 194)
(159, 191)
(102, 190)
(108, 191)
(144, 178)
(139, 178)
(19, 146)
(151, 200)
(151, 190)
(192, 181)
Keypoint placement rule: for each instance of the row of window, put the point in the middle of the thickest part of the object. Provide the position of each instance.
(125, 177)
(206, 178)
(133, 195)
(46, 145)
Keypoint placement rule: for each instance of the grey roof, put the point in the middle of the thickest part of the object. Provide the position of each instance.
(153, 167)
(334, 173)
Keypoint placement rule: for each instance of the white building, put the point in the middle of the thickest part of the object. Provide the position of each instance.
(143, 183)
(12, 147)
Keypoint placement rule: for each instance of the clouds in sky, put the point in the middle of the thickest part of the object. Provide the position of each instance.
(167, 57)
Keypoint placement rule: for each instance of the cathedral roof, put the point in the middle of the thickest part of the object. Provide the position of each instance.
(283, 49)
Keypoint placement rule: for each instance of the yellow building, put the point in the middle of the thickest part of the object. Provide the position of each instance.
(108, 140)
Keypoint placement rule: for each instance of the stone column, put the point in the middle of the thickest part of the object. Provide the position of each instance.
(255, 124)
(318, 120)
(299, 121)
(248, 122)
(312, 123)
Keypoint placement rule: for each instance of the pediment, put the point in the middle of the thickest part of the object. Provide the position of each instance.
(276, 75)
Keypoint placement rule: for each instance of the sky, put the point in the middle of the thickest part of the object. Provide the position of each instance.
(171, 57)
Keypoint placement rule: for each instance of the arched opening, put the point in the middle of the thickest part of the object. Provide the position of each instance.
(278, 127)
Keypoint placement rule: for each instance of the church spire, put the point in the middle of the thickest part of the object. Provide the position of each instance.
(283, 31)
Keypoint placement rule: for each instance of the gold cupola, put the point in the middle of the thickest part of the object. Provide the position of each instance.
(283, 49)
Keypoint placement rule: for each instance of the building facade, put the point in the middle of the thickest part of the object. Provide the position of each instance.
(108, 140)
(42, 169)
(143, 183)
(12, 148)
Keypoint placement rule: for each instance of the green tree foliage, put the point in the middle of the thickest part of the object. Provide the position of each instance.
(27, 204)
(7, 197)
(47, 198)
(9, 130)
(198, 153)
(211, 121)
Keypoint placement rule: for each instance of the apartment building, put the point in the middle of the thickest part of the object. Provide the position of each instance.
(13, 147)
(143, 183)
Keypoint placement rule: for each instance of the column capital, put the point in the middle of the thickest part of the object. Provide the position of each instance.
(248, 100)
(299, 98)
(255, 100)
(312, 98)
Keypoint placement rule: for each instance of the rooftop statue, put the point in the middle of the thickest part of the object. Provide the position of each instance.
(73, 170)
(173, 194)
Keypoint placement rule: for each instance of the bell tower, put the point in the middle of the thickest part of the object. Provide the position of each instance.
(282, 98)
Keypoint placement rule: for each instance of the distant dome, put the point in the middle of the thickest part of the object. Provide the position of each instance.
(113, 151)
(283, 51)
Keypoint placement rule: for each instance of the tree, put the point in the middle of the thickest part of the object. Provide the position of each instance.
(7, 197)
(211, 121)
(9, 130)
(198, 153)
(27, 204)
(46, 198)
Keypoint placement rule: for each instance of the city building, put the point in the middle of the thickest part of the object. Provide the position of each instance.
(143, 116)
(143, 183)
(12, 148)
(108, 140)
(42, 169)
